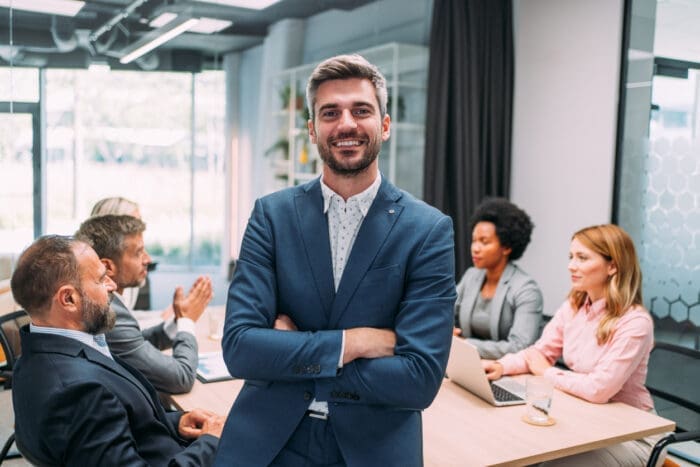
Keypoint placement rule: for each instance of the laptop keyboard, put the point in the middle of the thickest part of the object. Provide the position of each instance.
(503, 395)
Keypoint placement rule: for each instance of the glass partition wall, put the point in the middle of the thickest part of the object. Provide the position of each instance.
(658, 198)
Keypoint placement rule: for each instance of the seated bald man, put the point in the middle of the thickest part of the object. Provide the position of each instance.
(75, 403)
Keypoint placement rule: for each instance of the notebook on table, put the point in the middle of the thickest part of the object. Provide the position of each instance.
(464, 368)
(211, 368)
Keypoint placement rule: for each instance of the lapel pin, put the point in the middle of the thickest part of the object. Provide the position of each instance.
(391, 211)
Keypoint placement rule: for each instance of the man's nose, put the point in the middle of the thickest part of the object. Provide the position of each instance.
(347, 119)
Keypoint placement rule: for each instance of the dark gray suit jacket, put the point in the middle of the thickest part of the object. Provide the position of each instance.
(172, 374)
(516, 311)
(76, 407)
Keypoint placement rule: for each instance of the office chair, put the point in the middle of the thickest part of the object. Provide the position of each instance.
(673, 379)
(10, 342)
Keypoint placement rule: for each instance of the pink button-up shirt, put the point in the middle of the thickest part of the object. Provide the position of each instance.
(612, 372)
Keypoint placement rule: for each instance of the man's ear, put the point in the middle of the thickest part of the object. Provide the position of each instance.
(312, 131)
(68, 297)
(111, 267)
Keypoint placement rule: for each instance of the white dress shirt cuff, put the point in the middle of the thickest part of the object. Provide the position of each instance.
(342, 351)
(171, 327)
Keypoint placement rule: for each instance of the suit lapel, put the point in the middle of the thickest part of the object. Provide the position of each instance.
(498, 299)
(122, 369)
(472, 290)
(313, 226)
(374, 231)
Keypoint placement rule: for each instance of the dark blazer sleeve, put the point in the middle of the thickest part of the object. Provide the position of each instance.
(96, 431)
(173, 374)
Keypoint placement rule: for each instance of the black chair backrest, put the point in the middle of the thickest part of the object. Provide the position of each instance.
(674, 381)
(9, 336)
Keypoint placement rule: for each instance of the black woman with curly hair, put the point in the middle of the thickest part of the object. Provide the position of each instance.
(499, 307)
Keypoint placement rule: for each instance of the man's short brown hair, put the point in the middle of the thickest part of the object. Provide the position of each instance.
(106, 234)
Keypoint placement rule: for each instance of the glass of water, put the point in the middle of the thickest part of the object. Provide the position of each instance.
(538, 397)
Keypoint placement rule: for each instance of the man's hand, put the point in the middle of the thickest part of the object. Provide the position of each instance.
(536, 362)
(284, 323)
(200, 422)
(193, 305)
(368, 343)
(493, 369)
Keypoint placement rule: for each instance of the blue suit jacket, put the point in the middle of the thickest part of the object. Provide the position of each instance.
(399, 275)
(74, 406)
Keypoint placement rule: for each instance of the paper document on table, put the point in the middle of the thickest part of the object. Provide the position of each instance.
(212, 368)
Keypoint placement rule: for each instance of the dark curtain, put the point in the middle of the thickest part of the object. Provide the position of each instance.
(469, 110)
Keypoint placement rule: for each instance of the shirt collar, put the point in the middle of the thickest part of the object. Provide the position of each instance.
(594, 308)
(84, 337)
(364, 199)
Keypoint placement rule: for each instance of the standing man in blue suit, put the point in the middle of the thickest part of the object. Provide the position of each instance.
(339, 315)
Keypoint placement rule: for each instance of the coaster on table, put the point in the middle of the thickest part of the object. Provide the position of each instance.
(549, 422)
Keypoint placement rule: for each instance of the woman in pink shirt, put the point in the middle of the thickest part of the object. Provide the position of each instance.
(603, 333)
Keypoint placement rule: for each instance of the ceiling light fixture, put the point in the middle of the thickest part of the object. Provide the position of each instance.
(51, 7)
(156, 38)
(250, 4)
(204, 26)
(210, 25)
(162, 19)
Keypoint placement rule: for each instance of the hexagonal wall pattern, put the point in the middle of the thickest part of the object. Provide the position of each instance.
(660, 208)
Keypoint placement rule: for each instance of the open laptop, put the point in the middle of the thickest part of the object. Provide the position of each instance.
(464, 368)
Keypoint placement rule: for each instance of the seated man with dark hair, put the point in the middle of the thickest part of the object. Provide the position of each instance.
(75, 403)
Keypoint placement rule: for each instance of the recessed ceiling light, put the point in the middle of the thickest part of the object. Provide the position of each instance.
(52, 7)
(251, 4)
(162, 19)
(210, 25)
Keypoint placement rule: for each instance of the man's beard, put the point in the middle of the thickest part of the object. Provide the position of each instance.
(341, 167)
(96, 318)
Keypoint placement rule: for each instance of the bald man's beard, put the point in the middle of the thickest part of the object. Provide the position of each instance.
(97, 318)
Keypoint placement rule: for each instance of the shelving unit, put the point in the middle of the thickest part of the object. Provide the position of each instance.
(294, 160)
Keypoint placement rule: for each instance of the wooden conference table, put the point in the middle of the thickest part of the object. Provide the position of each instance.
(459, 429)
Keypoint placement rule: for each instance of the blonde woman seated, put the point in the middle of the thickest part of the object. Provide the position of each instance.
(604, 335)
(499, 306)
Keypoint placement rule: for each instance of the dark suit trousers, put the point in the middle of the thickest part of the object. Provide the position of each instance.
(312, 444)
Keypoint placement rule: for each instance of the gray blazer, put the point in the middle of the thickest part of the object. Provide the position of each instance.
(517, 305)
(173, 374)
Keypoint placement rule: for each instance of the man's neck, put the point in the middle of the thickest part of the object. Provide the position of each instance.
(350, 185)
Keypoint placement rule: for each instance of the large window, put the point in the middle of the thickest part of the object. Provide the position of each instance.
(155, 138)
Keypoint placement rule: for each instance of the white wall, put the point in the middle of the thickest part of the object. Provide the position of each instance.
(567, 55)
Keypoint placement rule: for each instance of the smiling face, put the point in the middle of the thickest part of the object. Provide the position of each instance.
(590, 271)
(348, 128)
